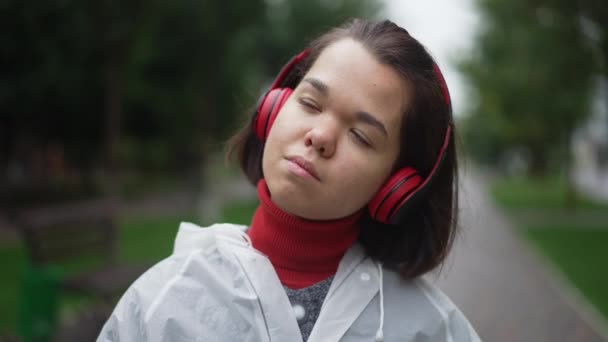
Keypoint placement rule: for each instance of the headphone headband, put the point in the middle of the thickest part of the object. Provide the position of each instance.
(444, 86)
(287, 69)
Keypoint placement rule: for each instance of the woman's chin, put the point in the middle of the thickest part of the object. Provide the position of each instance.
(316, 214)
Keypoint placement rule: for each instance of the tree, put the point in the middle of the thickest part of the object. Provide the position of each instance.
(593, 23)
(151, 85)
(533, 72)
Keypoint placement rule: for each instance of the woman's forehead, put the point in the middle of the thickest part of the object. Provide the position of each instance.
(348, 71)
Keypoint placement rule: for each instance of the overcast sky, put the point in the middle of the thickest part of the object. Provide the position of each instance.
(446, 28)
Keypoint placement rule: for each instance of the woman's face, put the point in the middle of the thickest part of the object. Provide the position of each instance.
(336, 139)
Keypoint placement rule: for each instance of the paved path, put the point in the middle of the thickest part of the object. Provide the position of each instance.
(508, 292)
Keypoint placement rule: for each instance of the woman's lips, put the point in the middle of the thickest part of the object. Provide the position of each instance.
(302, 167)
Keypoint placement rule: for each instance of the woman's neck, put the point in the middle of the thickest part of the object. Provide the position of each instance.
(303, 252)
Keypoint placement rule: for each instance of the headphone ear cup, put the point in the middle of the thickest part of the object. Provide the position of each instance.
(394, 195)
(267, 111)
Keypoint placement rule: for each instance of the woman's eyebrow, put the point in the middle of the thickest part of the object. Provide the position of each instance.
(369, 119)
(319, 85)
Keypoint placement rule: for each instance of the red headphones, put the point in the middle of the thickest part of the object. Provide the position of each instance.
(390, 202)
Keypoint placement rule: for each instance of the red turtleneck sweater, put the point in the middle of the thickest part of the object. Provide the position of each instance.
(303, 252)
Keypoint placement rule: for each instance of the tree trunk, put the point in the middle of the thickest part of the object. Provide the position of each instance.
(538, 162)
(113, 109)
(571, 200)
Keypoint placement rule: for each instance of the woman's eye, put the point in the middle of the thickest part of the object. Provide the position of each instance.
(361, 138)
(308, 104)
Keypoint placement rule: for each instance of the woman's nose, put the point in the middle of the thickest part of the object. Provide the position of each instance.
(322, 139)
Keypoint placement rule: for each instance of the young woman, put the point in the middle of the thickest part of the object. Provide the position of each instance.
(352, 151)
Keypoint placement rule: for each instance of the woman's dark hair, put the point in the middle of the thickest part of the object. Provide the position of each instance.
(423, 242)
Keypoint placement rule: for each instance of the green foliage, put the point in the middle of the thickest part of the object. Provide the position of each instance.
(108, 80)
(51, 89)
(533, 70)
(537, 193)
(291, 24)
(13, 263)
(180, 86)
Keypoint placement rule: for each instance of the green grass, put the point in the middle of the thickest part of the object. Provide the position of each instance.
(549, 193)
(575, 239)
(149, 238)
(141, 239)
(581, 254)
(239, 212)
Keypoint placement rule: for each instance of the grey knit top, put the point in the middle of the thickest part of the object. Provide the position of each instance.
(307, 302)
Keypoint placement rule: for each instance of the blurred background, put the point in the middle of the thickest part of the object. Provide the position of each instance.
(114, 115)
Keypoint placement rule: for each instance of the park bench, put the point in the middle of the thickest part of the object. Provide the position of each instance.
(79, 233)
(80, 240)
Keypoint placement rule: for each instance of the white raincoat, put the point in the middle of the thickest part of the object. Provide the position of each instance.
(217, 287)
